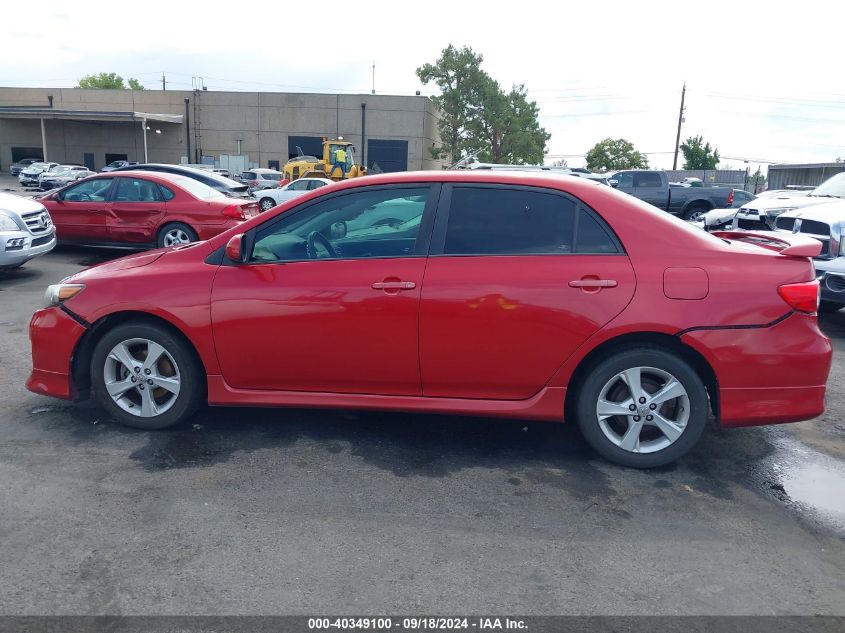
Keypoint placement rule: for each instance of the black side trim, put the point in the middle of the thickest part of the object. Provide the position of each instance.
(217, 257)
(74, 316)
(735, 327)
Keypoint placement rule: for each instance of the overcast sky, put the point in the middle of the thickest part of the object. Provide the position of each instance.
(764, 79)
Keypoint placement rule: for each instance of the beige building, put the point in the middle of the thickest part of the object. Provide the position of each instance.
(235, 130)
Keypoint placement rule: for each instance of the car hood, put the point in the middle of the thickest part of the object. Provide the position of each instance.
(18, 204)
(124, 263)
(762, 204)
(826, 212)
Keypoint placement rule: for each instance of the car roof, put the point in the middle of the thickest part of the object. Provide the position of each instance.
(181, 170)
(140, 173)
(552, 180)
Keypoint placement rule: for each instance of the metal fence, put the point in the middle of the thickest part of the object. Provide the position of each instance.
(735, 178)
(809, 175)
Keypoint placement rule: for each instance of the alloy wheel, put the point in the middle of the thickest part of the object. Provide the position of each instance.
(643, 409)
(175, 236)
(142, 377)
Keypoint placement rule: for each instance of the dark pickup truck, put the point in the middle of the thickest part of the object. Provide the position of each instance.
(687, 202)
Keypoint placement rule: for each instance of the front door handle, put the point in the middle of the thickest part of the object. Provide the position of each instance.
(394, 285)
(593, 283)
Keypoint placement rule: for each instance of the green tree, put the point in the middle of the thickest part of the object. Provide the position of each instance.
(477, 114)
(698, 154)
(111, 81)
(612, 154)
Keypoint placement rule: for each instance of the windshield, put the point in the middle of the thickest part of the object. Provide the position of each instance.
(334, 147)
(832, 187)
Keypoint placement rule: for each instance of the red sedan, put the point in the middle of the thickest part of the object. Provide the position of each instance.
(140, 208)
(493, 294)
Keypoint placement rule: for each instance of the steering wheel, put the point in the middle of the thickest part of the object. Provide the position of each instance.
(315, 238)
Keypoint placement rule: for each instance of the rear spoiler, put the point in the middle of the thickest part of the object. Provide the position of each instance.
(783, 243)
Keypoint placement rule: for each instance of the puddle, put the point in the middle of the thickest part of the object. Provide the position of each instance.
(810, 481)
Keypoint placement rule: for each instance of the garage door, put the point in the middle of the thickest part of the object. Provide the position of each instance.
(311, 146)
(19, 153)
(385, 156)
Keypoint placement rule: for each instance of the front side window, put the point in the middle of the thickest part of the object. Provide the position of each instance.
(495, 221)
(624, 180)
(315, 184)
(136, 190)
(365, 224)
(95, 190)
(299, 185)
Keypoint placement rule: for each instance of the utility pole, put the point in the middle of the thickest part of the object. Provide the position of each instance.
(163, 82)
(680, 120)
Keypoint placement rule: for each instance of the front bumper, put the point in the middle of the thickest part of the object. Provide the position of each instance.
(14, 255)
(28, 181)
(767, 375)
(54, 335)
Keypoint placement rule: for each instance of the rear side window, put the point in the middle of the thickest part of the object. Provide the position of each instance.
(494, 221)
(167, 193)
(646, 179)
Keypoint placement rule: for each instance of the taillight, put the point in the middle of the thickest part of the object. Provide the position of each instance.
(731, 197)
(803, 296)
(234, 211)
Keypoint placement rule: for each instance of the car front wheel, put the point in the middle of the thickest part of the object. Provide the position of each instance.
(146, 376)
(642, 408)
(266, 203)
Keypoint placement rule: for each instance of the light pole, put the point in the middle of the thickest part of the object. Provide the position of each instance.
(144, 128)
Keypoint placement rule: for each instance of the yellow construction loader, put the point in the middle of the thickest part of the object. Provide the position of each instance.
(325, 167)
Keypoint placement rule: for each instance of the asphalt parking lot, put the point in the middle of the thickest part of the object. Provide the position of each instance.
(261, 511)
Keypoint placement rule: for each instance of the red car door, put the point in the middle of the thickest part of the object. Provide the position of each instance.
(324, 307)
(79, 212)
(518, 278)
(135, 211)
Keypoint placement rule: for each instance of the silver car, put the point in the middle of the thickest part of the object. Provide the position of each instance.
(63, 175)
(26, 230)
(29, 176)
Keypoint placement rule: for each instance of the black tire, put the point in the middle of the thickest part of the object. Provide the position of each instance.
(601, 373)
(827, 307)
(266, 204)
(191, 375)
(689, 213)
(173, 227)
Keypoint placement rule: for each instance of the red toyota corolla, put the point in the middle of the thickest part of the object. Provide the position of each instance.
(496, 294)
(141, 208)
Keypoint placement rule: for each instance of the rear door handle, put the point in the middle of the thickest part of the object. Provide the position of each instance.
(593, 283)
(394, 285)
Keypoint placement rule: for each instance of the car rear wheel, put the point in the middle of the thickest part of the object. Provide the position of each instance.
(145, 376)
(266, 203)
(174, 234)
(643, 407)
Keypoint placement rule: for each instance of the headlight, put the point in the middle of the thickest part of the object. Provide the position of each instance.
(8, 224)
(58, 293)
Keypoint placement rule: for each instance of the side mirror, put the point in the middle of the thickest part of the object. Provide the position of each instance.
(235, 249)
(55, 196)
(613, 183)
(338, 230)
